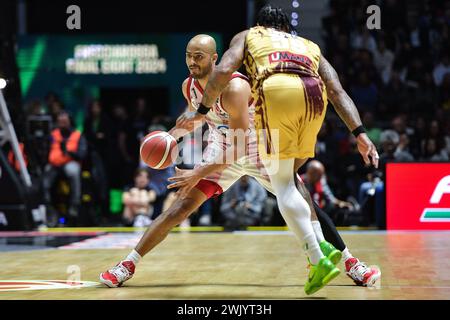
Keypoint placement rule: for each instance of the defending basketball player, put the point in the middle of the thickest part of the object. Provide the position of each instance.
(201, 57)
(290, 80)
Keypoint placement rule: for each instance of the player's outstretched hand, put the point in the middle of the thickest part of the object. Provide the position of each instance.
(367, 149)
(190, 120)
(184, 180)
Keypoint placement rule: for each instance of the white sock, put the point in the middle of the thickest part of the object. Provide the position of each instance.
(293, 207)
(318, 230)
(312, 248)
(134, 256)
(346, 254)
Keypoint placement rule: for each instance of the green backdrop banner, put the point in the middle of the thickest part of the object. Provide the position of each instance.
(76, 67)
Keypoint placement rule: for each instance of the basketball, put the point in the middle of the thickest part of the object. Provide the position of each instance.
(158, 149)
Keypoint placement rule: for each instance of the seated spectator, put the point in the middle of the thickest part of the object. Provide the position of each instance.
(383, 60)
(441, 69)
(373, 131)
(67, 148)
(362, 39)
(364, 93)
(392, 150)
(432, 152)
(138, 199)
(316, 182)
(371, 193)
(243, 203)
(158, 183)
(400, 126)
(418, 136)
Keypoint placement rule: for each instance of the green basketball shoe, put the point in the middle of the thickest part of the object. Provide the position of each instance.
(320, 275)
(330, 252)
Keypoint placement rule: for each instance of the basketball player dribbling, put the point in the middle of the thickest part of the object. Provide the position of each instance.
(232, 110)
(290, 80)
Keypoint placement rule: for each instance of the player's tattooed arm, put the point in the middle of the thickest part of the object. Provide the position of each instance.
(342, 103)
(230, 62)
(347, 111)
(235, 100)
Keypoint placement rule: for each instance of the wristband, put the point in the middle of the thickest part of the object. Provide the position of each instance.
(358, 131)
(202, 109)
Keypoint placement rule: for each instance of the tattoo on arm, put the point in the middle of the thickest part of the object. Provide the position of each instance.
(230, 62)
(343, 104)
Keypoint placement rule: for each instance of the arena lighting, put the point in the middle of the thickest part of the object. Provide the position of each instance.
(3, 83)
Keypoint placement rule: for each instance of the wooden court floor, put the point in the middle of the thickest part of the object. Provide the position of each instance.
(242, 266)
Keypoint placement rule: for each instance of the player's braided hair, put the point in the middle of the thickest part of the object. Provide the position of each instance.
(274, 17)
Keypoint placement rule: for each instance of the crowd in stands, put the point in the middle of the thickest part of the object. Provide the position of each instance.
(398, 77)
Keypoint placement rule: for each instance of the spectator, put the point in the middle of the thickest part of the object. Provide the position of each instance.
(362, 39)
(394, 96)
(364, 93)
(352, 170)
(373, 131)
(159, 183)
(383, 60)
(399, 124)
(243, 203)
(432, 153)
(55, 108)
(418, 136)
(138, 199)
(138, 125)
(97, 130)
(391, 152)
(438, 143)
(121, 164)
(327, 144)
(316, 182)
(67, 148)
(441, 69)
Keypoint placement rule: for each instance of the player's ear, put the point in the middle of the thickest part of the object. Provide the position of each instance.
(215, 57)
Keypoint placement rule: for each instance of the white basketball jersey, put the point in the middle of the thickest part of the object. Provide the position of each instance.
(218, 118)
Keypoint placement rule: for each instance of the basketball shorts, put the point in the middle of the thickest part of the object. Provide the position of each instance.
(219, 182)
(290, 116)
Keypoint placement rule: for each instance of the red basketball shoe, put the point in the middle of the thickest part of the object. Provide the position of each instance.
(361, 274)
(117, 275)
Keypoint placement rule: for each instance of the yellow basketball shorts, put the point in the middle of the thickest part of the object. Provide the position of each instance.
(287, 125)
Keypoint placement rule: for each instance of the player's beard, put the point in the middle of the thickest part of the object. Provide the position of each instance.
(202, 73)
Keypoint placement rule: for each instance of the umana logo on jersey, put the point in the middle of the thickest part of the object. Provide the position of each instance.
(287, 56)
(438, 214)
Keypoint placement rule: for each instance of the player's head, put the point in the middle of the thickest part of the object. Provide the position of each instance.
(63, 121)
(201, 55)
(273, 17)
(314, 170)
(141, 178)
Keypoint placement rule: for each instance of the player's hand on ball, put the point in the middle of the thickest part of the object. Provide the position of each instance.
(184, 180)
(190, 120)
(367, 149)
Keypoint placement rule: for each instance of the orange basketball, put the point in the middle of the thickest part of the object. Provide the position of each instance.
(159, 149)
